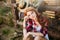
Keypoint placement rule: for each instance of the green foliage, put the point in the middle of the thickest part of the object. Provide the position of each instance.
(19, 27)
(1, 20)
(10, 15)
(21, 20)
(5, 31)
(4, 10)
(11, 23)
(3, 0)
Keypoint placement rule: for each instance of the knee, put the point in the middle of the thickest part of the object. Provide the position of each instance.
(40, 38)
(30, 37)
(37, 38)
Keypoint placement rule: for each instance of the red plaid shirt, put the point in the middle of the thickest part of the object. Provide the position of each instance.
(29, 27)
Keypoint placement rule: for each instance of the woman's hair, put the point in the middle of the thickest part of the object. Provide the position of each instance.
(32, 9)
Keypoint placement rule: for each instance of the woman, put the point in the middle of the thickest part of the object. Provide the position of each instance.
(32, 25)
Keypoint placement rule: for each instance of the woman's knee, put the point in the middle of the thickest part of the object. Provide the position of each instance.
(30, 37)
(39, 38)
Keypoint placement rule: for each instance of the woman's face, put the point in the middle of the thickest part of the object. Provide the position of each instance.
(31, 14)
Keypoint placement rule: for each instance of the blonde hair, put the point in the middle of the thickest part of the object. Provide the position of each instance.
(30, 9)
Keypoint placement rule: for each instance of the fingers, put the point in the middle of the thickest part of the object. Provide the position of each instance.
(26, 18)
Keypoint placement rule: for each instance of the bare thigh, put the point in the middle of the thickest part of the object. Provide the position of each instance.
(39, 38)
(30, 37)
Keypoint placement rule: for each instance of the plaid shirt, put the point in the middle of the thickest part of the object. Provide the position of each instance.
(29, 27)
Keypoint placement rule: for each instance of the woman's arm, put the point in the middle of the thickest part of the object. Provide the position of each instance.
(24, 29)
(25, 34)
(36, 33)
(24, 26)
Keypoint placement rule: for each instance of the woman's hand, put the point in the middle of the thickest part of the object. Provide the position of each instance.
(27, 34)
(26, 18)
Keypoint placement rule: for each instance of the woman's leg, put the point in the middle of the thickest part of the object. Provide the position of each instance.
(37, 38)
(40, 38)
(30, 37)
